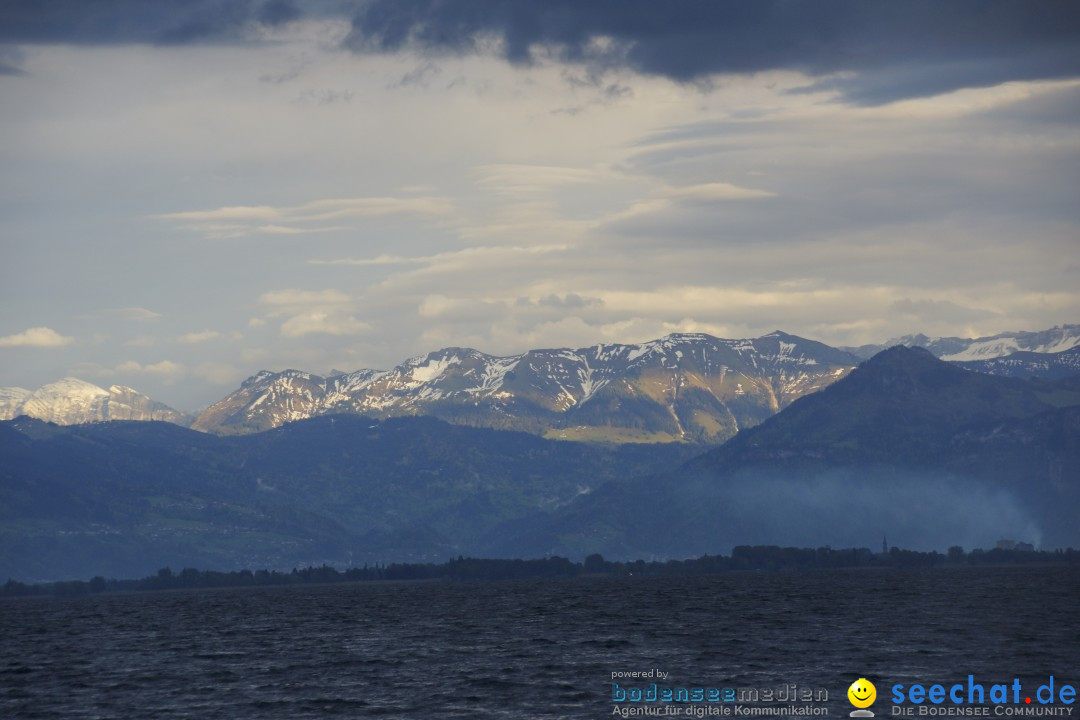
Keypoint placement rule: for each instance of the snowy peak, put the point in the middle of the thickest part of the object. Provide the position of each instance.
(1055, 340)
(67, 402)
(71, 401)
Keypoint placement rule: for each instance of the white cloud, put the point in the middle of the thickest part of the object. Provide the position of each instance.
(284, 230)
(39, 337)
(136, 314)
(314, 323)
(441, 306)
(165, 369)
(194, 338)
(241, 220)
(312, 312)
(370, 262)
(303, 297)
(261, 213)
(717, 191)
(519, 179)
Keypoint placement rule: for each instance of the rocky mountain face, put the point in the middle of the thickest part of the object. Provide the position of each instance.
(687, 387)
(72, 402)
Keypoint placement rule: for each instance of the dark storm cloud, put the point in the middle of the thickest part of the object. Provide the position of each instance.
(896, 50)
(102, 22)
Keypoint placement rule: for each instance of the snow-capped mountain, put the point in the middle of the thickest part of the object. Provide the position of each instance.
(71, 401)
(954, 349)
(691, 387)
(1026, 364)
(11, 399)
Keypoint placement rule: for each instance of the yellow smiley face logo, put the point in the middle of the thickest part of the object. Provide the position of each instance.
(862, 693)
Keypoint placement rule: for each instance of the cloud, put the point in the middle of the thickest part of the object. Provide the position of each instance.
(241, 212)
(469, 260)
(126, 314)
(162, 22)
(717, 191)
(458, 309)
(428, 212)
(313, 312)
(420, 76)
(240, 220)
(40, 337)
(166, 369)
(277, 12)
(519, 179)
(284, 230)
(292, 297)
(10, 60)
(137, 314)
(940, 311)
(369, 262)
(871, 53)
(194, 338)
(680, 202)
(568, 301)
(315, 323)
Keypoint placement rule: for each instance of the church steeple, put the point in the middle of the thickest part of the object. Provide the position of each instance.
(884, 546)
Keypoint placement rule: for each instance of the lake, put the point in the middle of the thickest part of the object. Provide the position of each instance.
(538, 649)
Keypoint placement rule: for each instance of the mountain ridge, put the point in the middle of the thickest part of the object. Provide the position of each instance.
(686, 387)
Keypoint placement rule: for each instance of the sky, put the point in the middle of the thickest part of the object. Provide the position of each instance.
(192, 192)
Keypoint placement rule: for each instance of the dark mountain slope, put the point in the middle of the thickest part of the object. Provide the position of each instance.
(902, 405)
(906, 446)
(127, 498)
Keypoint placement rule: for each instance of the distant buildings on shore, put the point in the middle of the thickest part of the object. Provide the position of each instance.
(1005, 544)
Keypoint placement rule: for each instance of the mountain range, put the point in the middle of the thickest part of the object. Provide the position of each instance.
(691, 388)
(906, 446)
(694, 388)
